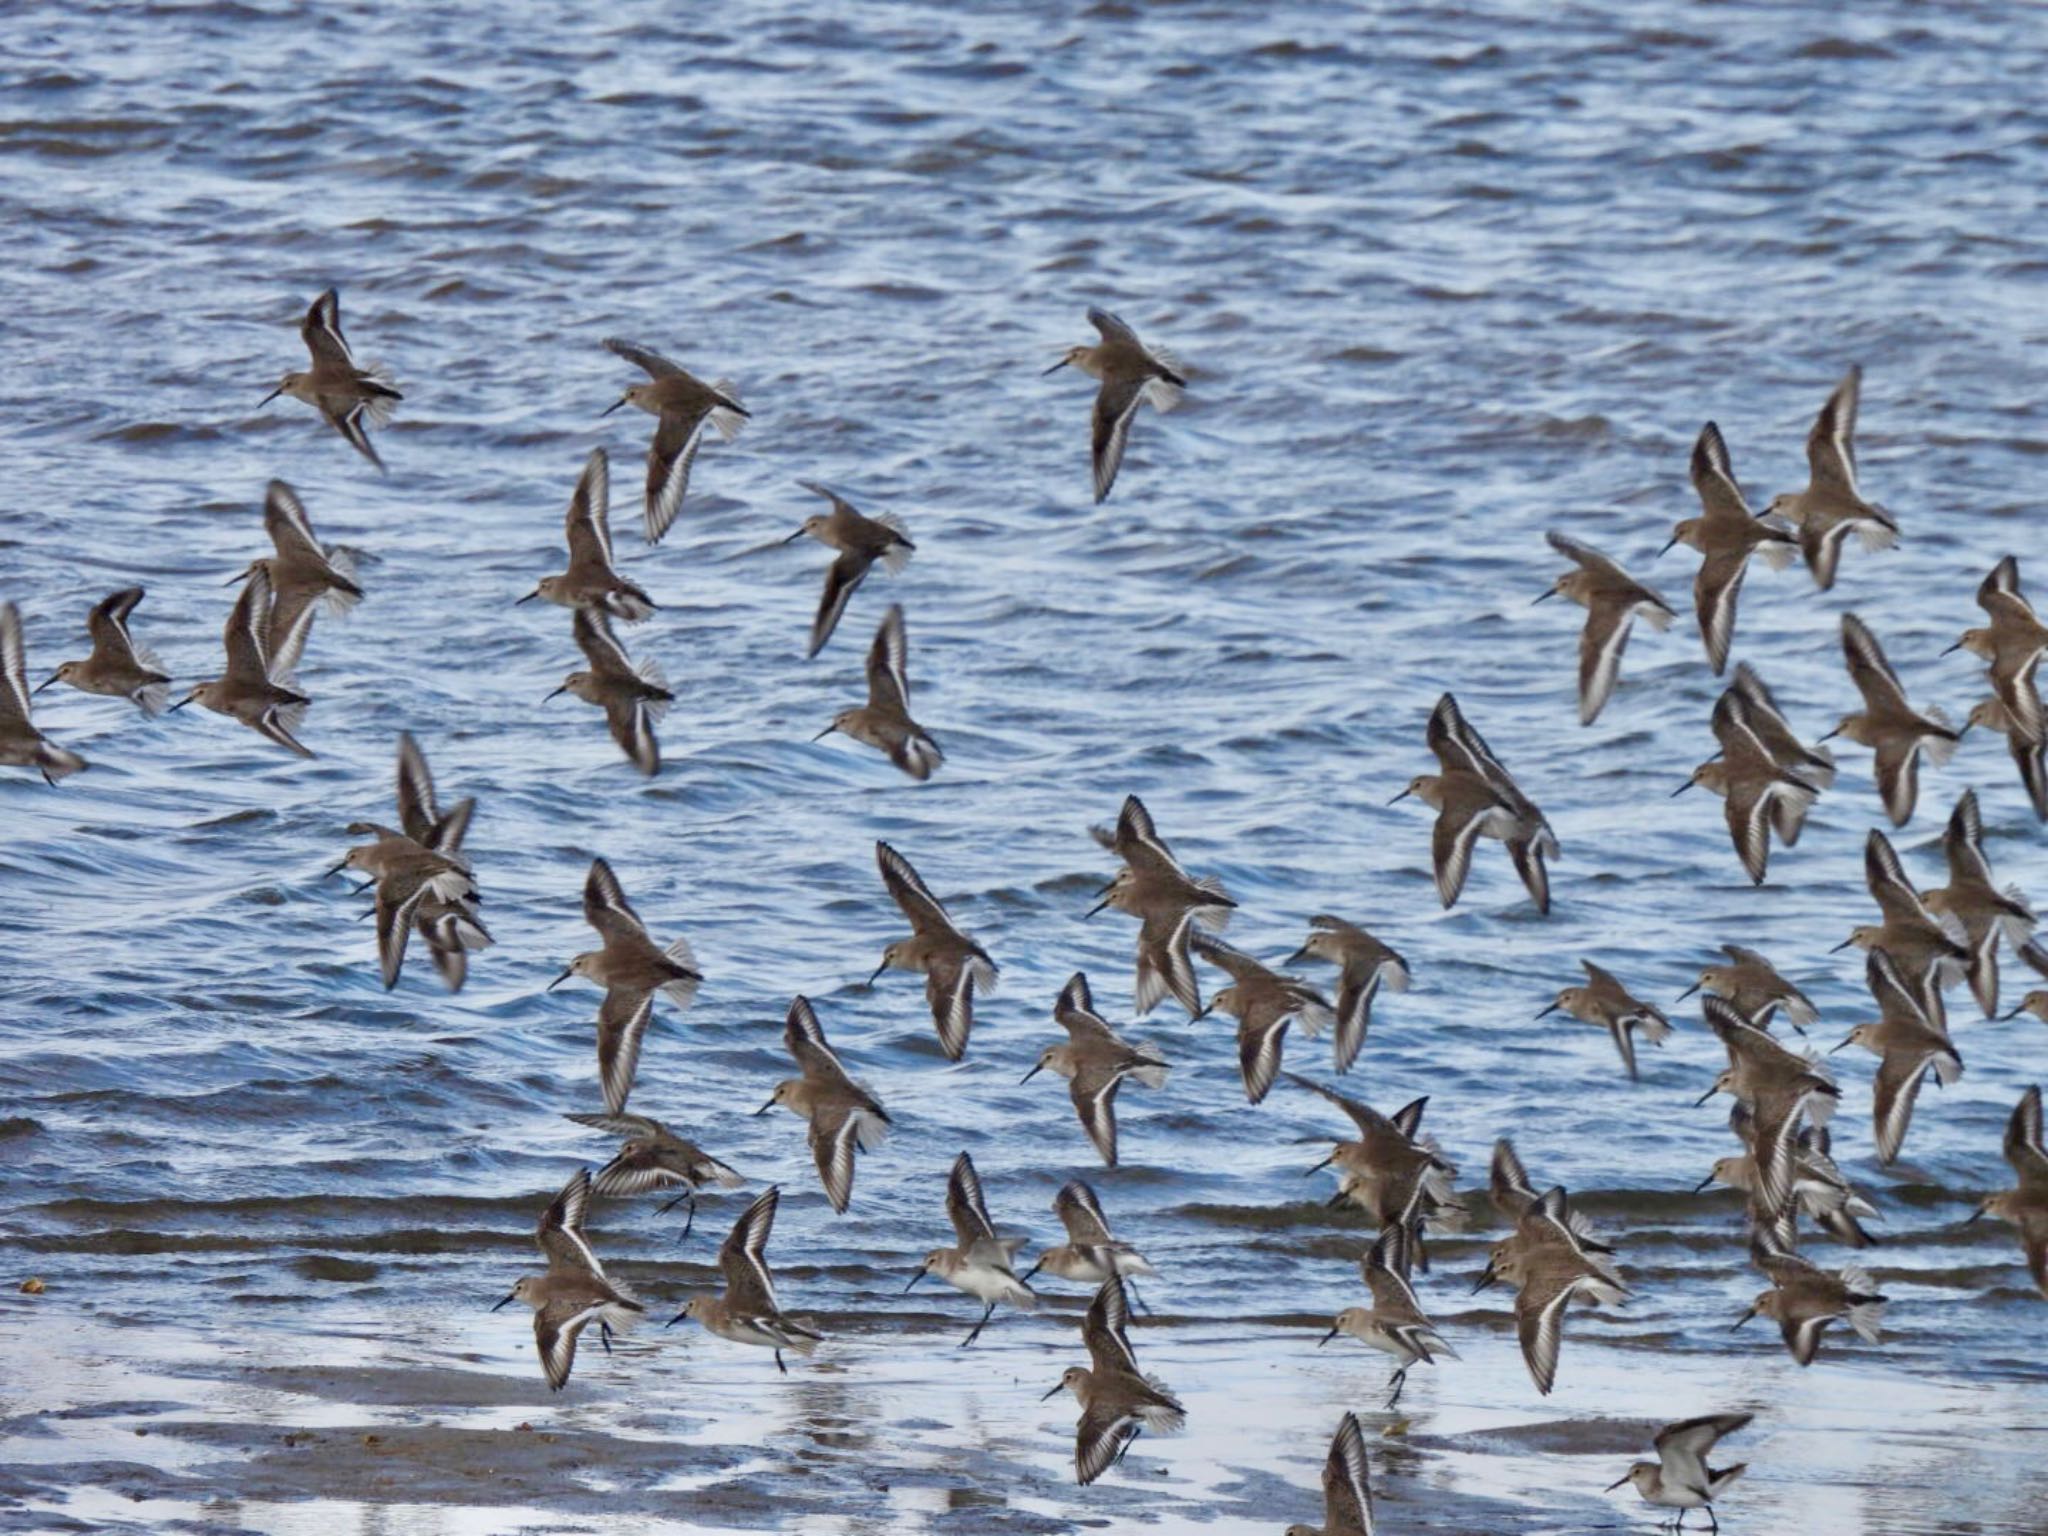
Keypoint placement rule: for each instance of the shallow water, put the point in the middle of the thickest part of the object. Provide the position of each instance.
(1444, 279)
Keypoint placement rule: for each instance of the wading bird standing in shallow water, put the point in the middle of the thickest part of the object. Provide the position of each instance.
(682, 406)
(575, 1292)
(1680, 1478)
(351, 399)
(1130, 373)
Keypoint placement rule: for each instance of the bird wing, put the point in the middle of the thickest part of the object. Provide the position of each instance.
(1116, 407)
(417, 812)
(965, 1206)
(560, 1232)
(888, 681)
(322, 332)
(805, 1038)
(1347, 1481)
(587, 524)
(657, 366)
(605, 906)
(1713, 477)
(1831, 445)
(1104, 1329)
(926, 913)
(622, 1022)
(1868, 669)
(742, 1257)
(1081, 1214)
(841, 577)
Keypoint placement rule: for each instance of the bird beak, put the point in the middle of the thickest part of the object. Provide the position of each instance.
(1660, 555)
(1535, 600)
(1206, 1009)
(527, 599)
(1700, 1102)
(1326, 1338)
(1057, 1388)
(1954, 648)
(794, 537)
(180, 704)
(1980, 1211)
(1842, 946)
(677, 1318)
(1701, 1187)
(1095, 909)
(336, 870)
(563, 689)
(1744, 1318)
(1055, 368)
(825, 732)
(1548, 1011)
(764, 1109)
(1831, 735)
(2003, 1017)
(610, 408)
(1319, 1167)
(559, 980)
(1620, 1480)
(39, 687)
(1297, 957)
(1688, 992)
(878, 973)
(1401, 796)
(507, 1299)
(1681, 789)
(1486, 1278)
(919, 1275)
(1846, 1043)
(270, 397)
(1030, 1075)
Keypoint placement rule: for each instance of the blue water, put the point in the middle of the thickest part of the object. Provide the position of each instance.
(1443, 279)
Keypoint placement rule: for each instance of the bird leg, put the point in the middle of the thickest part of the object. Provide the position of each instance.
(604, 1335)
(689, 1221)
(1136, 1431)
(778, 1363)
(1137, 1301)
(1397, 1381)
(988, 1313)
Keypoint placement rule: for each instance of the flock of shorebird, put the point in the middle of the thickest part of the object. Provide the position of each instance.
(1926, 942)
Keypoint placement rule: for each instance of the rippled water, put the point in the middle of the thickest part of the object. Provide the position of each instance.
(1444, 278)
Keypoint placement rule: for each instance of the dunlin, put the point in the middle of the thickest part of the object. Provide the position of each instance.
(980, 1263)
(21, 744)
(592, 580)
(1612, 598)
(117, 666)
(2029, 757)
(1831, 507)
(305, 576)
(1680, 1478)
(2025, 1205)
(1815, 764)
(352, 399)
(861, 541)
(844, 1117)
(1603, 1000)
(1168, 902)
(1263, 1002)
(1130, 373)
(1780, 1087)
(1395, 1323)
(1922, 945)
(1751, 985)
(1092, 1253)
(748, 1313)
(633, 695)
(1761, 793)
(250, 688)
(1550, 1268)
(406, 876)
(1392, 1171)
(1891, 727)
(1514, 1194)
(1363, 963)
(1095, 1060)
(575, 1291)
(452, 928)
(2012, 643)
(953, 965)
(1820, 1190)
(1117, 1401)
(1726, 534)
(633, 970)
(1804, 1299)
(655, 1157)
(884, 722)
(1347, 1486)
(2035, 1003)
(1474, 797)
(1973, 900)
(1908, 1044)
(682, 406)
